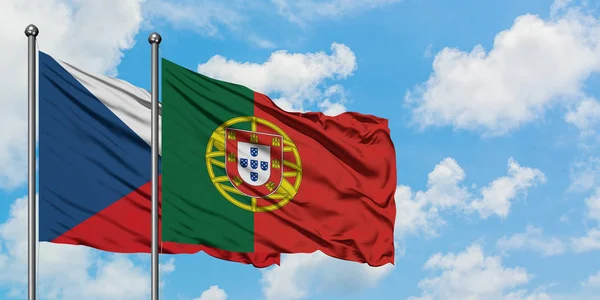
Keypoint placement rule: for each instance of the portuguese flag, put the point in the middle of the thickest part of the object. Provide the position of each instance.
(241, 174)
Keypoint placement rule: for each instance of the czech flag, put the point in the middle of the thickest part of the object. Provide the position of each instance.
(95, 165)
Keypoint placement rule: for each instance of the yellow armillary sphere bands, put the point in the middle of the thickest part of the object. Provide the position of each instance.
(286, 190)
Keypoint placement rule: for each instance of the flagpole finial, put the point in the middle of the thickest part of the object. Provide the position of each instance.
(154, 38)
(31, 30)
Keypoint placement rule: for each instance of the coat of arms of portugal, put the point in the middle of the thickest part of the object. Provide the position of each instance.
(258, 171)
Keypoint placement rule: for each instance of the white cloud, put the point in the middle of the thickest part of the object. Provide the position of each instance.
(532, 239)
(472, 275)
(592, 282)
(585, 175)
(330, 105)
(117, 278)
(261, 42)
(559, 6)
(209, 17)
(593, 205)
(204, 17)
(524, 295)
(428, 51)
(215, 19)
(302, 11)
(331, 109)
(590, 242)
(89, 34)
(213, 293)
(420, 211)
(298, 78)
(168, 266)
(496, 196)
(533, 66)
(299, 275)
(586, 116)
(414, 213)
(66, 271)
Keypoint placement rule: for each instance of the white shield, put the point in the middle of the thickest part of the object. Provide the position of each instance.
(254, 163)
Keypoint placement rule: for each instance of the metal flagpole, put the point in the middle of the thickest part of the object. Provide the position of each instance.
(154, 40)
(31, 32)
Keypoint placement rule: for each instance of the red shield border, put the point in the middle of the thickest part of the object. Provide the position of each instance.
(274, 141)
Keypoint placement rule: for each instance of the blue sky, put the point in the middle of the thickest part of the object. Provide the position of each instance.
(492, 108)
